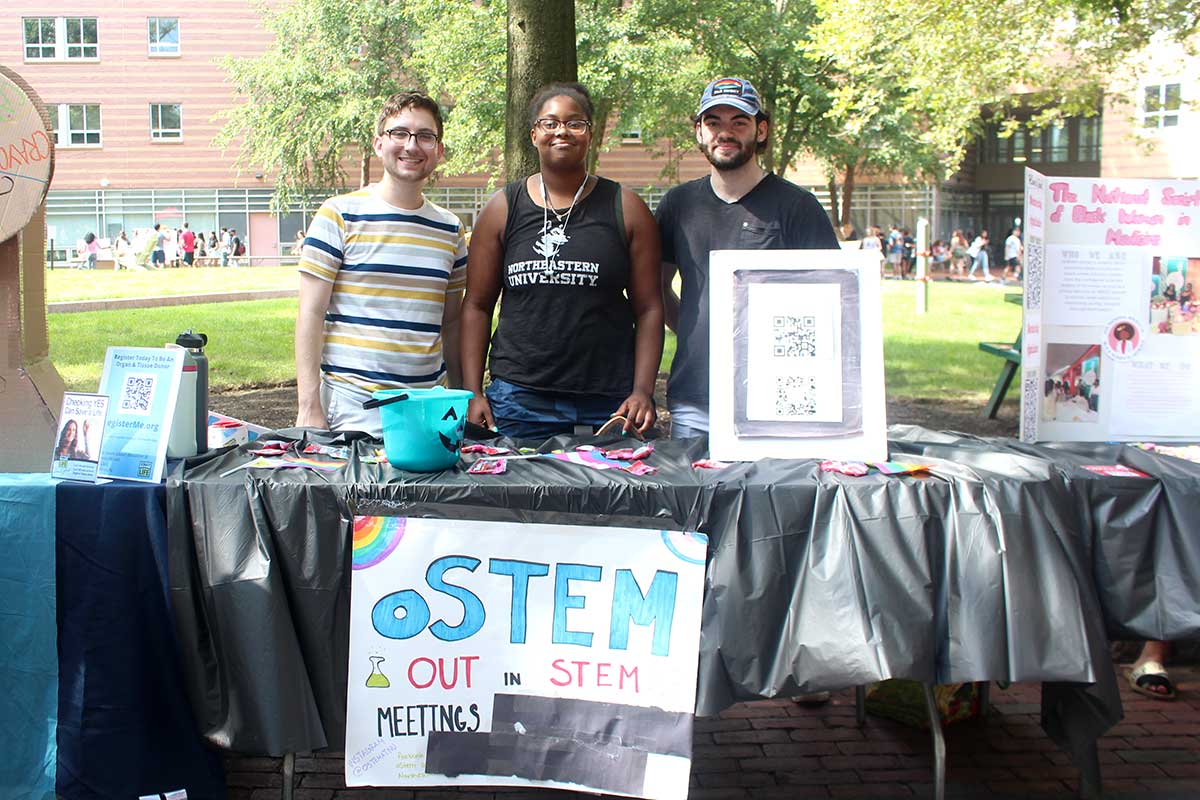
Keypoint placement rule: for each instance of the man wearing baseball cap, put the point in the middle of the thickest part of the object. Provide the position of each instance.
(737, 206)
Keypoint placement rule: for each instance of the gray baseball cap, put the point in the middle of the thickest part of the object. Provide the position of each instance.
(736, 92)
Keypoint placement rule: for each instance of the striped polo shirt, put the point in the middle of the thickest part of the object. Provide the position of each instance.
(391, 269)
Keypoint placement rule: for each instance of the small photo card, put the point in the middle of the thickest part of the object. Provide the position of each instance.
(76, 454)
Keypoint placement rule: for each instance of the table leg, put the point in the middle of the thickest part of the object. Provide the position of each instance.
(1089, 775)
(289, 774)
(860, 705)
(1001, 388)
(939, 743)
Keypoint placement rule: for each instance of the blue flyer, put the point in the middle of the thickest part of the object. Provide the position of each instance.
(142, 384)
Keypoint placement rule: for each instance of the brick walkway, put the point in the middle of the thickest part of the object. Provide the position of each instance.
(776, 749)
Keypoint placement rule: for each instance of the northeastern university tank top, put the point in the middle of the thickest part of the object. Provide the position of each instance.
(566, 324)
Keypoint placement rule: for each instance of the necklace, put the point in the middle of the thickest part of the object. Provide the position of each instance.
(547, 210)
(553, 238)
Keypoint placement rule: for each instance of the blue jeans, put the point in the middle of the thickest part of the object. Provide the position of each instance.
(522, 413)
(980, 260)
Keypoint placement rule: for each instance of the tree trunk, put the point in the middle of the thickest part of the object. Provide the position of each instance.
(847, 193)
(364, 167)
(833, 199)
(599, 131)
(541, 49)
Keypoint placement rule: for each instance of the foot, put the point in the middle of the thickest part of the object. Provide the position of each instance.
(1150, 679)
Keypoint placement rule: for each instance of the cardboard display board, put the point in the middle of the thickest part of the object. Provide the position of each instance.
(505, 654)
(26, 156)
(1111, 334)
(796, 366)
(30, 388)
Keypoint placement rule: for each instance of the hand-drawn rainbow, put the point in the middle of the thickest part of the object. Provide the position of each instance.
(691, 548)
(374, 539)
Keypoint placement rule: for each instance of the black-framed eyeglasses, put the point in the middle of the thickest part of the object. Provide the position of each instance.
(550, 124)
(401, 136)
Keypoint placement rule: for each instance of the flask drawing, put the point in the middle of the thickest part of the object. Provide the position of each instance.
(377, 680)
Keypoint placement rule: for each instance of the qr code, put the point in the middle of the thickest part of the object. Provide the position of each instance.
(796, 395)
(137, 395)
(795, 337)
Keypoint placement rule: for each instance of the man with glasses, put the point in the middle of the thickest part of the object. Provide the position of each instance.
(737, 206)
(382, 272)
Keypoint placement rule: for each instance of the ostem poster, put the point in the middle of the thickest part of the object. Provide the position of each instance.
(1111, 335)
(488, 653)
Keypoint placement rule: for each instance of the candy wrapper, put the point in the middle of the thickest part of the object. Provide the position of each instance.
(853, 468)
(640, 468)
(314, 449)
(489, 466)
(629, 453)
(272, 447)
(485, 449)
(708, 463)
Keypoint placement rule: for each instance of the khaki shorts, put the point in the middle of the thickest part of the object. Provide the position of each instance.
(344, 411)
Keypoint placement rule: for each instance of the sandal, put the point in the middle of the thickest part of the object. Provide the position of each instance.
(1151, 674)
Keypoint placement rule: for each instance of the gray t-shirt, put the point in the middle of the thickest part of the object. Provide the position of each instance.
(774, 215)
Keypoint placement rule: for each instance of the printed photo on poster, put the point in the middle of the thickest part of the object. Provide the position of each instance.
(1071, 392)
(1174, 303)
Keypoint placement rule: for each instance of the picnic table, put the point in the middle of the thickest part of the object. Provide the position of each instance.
(1011, 353)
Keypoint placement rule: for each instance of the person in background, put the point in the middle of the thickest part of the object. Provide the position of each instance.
(187, 242)
(873, 241)
(978, 251)
(158, 257)
(576, 257)
(381, 276)
(1013, 250)
(737, 205)
(123, 254)
(224, 247)
(958, 254)
(92, 248)
(235, 246)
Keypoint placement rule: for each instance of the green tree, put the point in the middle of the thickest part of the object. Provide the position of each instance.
(638, 75)
(311, 99)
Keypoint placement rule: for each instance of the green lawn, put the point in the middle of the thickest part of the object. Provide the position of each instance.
(935, 355)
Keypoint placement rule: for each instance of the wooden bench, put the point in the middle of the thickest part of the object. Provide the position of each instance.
(1011, 353)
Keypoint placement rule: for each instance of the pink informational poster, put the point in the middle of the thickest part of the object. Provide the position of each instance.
(1111, 338)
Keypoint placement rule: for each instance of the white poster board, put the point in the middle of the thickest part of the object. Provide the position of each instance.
(495, 653)
(1111, 334)
(796, 356)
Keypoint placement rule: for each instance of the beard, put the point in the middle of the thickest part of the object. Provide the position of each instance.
(730, 162)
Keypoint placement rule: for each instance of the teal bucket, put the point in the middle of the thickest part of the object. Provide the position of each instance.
(423, 432)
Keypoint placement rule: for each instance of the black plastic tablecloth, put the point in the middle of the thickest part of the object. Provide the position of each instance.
(982, 570)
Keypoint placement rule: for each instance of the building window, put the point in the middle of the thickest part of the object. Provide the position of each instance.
(164, 36)
(39, 38)
(1089, 139)
(61, 38)
(82, 41)
(1160, 105)
(1056, 142)
(166, 122)
(76, 125)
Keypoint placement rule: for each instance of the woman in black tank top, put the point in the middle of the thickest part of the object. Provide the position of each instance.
(577, 259)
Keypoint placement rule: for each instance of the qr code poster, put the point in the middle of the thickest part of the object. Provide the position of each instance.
(795, 368)
(137, 394)
(142, 384)
(796, 356)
